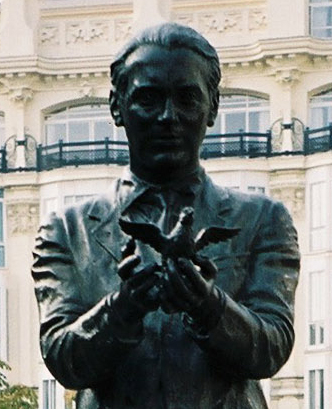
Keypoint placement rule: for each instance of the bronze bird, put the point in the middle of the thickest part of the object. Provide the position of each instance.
(180, 242)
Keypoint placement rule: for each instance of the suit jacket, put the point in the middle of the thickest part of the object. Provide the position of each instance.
(164, 363)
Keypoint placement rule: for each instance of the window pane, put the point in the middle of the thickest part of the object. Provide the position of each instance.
(312, 389)
(55, 132)
(258, 121)
(321, 17)
(317, 285)
(1, 222)
(45, 395)
(78, 131)
(52, 394)
(234, 122)
(102, 130)
(321, 389)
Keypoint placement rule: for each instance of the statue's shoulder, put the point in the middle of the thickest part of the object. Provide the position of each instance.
(96, 207)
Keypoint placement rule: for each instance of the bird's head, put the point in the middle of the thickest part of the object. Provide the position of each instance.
(187, 216)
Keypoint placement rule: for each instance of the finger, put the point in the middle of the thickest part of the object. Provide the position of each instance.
(194, 277)
(178, 287)
(128, 249)
(142, 275)
(140, 293)
(171, 302)
(208, 268)
(126, 266)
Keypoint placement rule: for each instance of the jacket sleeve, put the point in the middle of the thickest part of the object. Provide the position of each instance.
(80, 341)
(254, 335)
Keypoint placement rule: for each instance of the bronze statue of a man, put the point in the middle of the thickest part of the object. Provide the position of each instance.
(197, 332)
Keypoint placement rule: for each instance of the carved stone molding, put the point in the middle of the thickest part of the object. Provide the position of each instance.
(49, 34)
(287, 76)
(21, 94)
(292, 196)
(257, 19)
(86, 90)
(123, 29)
(186, 19)
(230, 21)
(87, 32)
(22, 217)
(288, 387)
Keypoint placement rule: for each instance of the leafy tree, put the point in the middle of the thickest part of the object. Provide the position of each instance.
(16, 396)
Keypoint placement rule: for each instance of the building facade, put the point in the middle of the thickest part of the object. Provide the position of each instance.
(272, 136)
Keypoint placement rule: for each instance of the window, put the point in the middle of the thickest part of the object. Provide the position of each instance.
(81, 123)
(2, 129)
(71, 200)
(241, 112)
(2, 233)
(49, 394)
(316, 307)
(316, 389)
(321, 110)
(318, 216)
(256, 189)
(320, 12)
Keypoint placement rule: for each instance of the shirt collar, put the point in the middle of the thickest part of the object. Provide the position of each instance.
(132, 187)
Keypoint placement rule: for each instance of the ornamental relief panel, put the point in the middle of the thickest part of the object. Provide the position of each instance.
(123, 29)
(87, 32)
(49, 34)
(98, 32)
(22, 218)
(230, 21)
(227, 21)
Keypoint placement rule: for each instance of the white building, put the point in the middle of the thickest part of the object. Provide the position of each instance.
(54, 81)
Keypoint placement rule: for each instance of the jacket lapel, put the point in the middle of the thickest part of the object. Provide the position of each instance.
(104, 215)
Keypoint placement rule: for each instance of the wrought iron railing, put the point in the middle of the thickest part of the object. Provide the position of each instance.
(317, 140)
(241, 144)
(81, 153)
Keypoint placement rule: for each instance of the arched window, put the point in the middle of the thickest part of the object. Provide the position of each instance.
(81, 123)
(320, 110)
(2, 129)
(241, 112)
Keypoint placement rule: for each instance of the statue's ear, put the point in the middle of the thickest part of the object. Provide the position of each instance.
(214, 108)
(115, 109)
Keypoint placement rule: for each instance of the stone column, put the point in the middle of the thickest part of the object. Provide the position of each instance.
(287, 388)
(18, 27)
(22, 204)
(20, 96)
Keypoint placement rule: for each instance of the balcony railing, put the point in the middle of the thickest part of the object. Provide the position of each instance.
(241, 144)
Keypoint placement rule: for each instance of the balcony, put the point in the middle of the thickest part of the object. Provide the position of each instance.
(241, 144)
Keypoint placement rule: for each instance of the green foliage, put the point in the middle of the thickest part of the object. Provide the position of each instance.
(16, 396)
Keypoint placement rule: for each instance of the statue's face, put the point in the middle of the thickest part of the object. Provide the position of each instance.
(165, 108)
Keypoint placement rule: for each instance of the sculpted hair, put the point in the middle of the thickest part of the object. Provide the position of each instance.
(169, 35)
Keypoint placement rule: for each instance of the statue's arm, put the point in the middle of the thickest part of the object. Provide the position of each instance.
(254, 335)
(80, 342)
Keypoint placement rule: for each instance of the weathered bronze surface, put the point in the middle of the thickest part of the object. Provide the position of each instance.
(219, 317)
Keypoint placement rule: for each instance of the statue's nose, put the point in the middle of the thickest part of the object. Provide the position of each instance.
(168, 114)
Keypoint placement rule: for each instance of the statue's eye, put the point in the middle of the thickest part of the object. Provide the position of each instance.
(188, 96)
(146, 97)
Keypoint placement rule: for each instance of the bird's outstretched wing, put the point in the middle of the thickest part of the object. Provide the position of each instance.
(147, 233)
(213, 235)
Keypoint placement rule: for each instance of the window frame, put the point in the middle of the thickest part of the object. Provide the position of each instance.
(312, 29)
(66, 117)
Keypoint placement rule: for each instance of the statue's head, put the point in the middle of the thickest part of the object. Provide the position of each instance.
(165, 93)
(170, 36)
